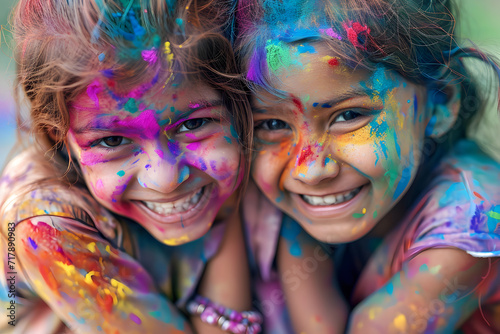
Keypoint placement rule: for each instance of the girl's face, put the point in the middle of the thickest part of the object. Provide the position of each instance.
(340, 151)
(168, 161)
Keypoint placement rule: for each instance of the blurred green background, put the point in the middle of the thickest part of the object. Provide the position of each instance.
(479, 22)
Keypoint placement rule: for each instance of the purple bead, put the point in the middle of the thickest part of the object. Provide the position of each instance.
(235, 316)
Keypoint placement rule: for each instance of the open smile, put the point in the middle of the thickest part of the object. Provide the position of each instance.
(181, 209)
(331, 199)
(332, 205)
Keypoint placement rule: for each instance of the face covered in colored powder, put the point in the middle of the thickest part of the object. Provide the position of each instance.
(168, 161)
(342, 148)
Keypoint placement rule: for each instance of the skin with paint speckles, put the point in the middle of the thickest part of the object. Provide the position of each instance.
(356, 129)
(157, 153)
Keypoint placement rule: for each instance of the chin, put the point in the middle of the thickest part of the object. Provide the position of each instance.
(337, 232)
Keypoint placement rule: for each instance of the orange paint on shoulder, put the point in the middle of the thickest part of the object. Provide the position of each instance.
(49, 278)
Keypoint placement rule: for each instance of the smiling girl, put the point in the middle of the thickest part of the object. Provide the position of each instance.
(360, 110)
(122, 211)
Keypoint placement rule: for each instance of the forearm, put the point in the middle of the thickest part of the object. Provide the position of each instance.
(313, 299)
(226, 280)
(89, 284)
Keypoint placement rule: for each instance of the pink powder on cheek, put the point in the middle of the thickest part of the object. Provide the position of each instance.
(159, 153)
(89, 158)
(191, 136)
(193, 146)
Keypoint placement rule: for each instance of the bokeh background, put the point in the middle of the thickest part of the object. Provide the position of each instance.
(480, 23)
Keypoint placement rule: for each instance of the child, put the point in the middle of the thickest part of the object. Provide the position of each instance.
(140, 130)
(360, 109)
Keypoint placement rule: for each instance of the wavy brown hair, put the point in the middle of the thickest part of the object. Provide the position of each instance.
(62, 46)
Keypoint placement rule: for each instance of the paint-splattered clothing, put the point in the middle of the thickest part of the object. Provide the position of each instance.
(459, 209)
(175, 271)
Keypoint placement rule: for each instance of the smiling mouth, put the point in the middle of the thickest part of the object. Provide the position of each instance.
(331, 199)
(180, 206)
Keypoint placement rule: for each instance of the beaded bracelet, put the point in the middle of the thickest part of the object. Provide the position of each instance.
(232, 321)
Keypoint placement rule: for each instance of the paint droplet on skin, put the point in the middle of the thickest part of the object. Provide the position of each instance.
(79, 320)
(333, 62)
(358, 215)
(101, 57)
(400, 323)
(227, 139)
(135, 318)
(203, 165)
(306, 153)
(479, 196)
(148, 166)
(374, 214)
(184, 174)
(193, 146)
(213, 165)
(121, 173)
(364, 210)
(91, 247)
(32, 243)
(174, 148)
(315, 104)
(93, 90)
(131, 106)
(423, 268)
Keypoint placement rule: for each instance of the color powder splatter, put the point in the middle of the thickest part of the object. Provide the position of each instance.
(400, 323)
(203, 165)
(278, 55)
(296, 101)
(184, 174)
(357, 34)
(174, 148)
(306, 153)
(150, 56)
(120, 173)
(193, 146)
(330, 33)
(135, 318)
(131, 106)
(306, 48)
(227, 139)
(93, 90)
(32, 243)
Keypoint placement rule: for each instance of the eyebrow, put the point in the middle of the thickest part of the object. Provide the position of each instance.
(192, 107)
(349, 94)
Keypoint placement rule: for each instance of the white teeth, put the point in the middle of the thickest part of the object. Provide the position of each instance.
(330, 199)
(180, 205)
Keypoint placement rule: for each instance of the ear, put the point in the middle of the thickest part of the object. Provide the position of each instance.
(444, 105)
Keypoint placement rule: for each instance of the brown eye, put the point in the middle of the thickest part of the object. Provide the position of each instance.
(113, 141)
(273, 125)
(193, 124)
(347, 115)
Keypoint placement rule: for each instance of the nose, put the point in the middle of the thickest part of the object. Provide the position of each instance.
(163, 174)
(313, 164)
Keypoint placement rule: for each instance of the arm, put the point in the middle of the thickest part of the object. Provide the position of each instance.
(89, 284)
(226, 279)
(435, 291)
(313, 300)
